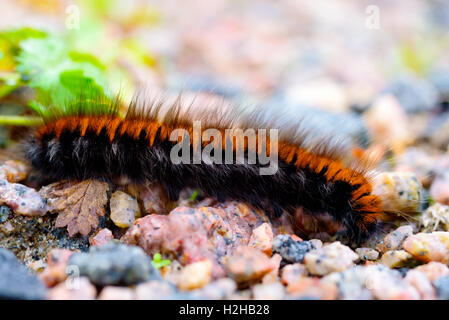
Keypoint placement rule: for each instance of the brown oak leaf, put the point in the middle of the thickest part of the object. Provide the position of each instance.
(79, 204)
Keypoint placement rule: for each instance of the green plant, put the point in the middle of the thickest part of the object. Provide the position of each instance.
(158, 262)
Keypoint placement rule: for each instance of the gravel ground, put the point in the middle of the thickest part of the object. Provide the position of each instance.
(318, 58)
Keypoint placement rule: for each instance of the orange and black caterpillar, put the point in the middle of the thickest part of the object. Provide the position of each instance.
(313, 171)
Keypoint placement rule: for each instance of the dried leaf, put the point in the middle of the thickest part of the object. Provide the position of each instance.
(79, 204)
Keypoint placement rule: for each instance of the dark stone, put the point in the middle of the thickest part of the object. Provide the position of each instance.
(115, 263)
(4, 213)
(291, 251)
(442, 286)
(16, 282)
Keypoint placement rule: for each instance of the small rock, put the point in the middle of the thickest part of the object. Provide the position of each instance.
(73, 289)
(56, 272)
(394, 239)
(388, 285)
(439, 190)
(350, 283)
(292, 272)
(124, 209)
(422, 284)
(101, 237)
(271, 291)
(273, 275)
(367, 254)
(116, 293)
(316, 243)
(4, 213)
(433, 270)
(195, 234)
(442, 286)
(220, 289)
(291, 251)
(37, 266)
(396, 258)
(333, 257)
(262, 238)
(114, 263)
(155, 290)
(195, 275)
(384, 112)
(399, 192)
(313, 288)
(429, 246)
(248, 264)
(16, 282)
(14, 170)
(372, 281)
(21, 199)
(413, 93)
(435, 218)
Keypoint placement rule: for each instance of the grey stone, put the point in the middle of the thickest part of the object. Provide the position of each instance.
(115, 263)
(16, 282)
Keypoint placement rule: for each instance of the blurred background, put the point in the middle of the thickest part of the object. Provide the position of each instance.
(378, 69)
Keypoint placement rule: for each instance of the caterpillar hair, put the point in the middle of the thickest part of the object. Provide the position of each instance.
(315, 169)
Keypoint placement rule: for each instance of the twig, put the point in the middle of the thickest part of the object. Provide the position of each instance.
(23, 121)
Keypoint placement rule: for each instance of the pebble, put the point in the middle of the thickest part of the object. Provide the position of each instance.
(413, 93)
(429, 246)
(316, 243)
(4, 213)
(73, 289)
(124, 209)
(102, 236)
(270, 291)
(220, 289)
(56, 271)
(333, 257)
(422, 284)
(292, 272)
(154, 290)
(273, 275)
(399, 192)
(16, 282)
(248, 264)
(396, 258)
(440, 78)
(116, 293)
(442, 286)
(439, 190)
(196, 234)
(394, 239)
(367, 254)
(114, 263)
(291, 251)
(350, 283)
(326, 94)
(435, 218)
(433, 270)
(312, 288)
(384, 111)
(262, 239)
(21, 199)
(195, 275)
(14, 170)
(372, 281)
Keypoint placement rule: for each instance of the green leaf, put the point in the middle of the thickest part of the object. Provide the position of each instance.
(66, 82)
(158, 262)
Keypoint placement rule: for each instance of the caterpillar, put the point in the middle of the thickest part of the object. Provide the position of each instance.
(314, 170)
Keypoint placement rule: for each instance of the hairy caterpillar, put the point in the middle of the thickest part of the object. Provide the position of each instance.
(314, 170)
